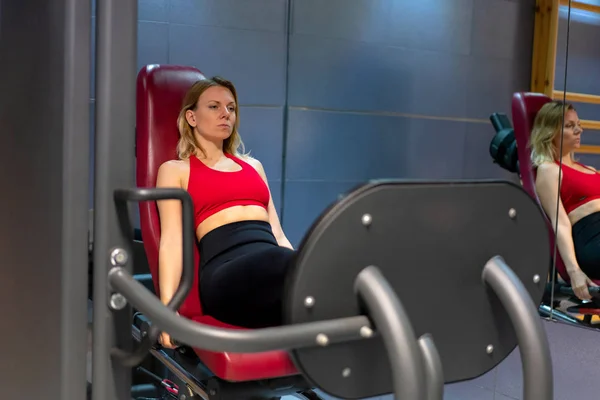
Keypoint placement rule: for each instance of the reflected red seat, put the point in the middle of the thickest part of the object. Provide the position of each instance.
(525, 107)
(160, 92)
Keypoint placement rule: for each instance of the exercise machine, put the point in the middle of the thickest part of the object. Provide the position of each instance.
(160, 90)
(389, 248)
(359, 323)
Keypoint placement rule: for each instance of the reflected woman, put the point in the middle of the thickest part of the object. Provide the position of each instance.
(575, 214)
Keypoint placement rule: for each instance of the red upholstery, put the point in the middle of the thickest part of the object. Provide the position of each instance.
(160, 92)
(238, 367)
(525, 107)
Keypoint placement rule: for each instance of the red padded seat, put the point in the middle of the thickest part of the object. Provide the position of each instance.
(160, 92)
(525, 107)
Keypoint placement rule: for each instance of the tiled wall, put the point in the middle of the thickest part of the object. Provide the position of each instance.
(398, 89)
(337, 92)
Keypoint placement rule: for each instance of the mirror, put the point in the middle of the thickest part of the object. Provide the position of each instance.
(573, 117)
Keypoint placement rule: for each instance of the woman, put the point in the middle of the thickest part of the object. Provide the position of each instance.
(244, 254)
(575, 214)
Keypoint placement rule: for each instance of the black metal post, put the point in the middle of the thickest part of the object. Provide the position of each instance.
(44, 142)
(116, 63)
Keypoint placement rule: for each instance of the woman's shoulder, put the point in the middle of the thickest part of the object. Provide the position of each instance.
(547, 170)
(547, 167)
(175, 165)
(589, 167)
(171, 169)
(254, 162)
(248, 159)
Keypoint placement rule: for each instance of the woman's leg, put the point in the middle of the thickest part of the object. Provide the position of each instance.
(248, 290)
(586, 240)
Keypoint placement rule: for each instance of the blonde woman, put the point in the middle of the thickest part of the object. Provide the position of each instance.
(575, 214)
(244, 254)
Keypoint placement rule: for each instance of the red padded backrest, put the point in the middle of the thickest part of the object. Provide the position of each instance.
(525, 107)
(160, 92)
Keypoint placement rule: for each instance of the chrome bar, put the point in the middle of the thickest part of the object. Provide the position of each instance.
(221, 339)
(531, 337)
(394, 326)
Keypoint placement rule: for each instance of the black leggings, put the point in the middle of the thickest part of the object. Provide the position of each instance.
(586, 238)
(242, 274)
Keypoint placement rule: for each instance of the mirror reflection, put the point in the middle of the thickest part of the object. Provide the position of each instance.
(578, 269)
(563, 151)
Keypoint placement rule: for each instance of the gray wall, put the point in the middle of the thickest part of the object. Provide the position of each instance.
(372, 84)
(350, 90)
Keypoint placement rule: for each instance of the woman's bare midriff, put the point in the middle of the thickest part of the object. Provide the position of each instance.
(583, 211)
(231, 215)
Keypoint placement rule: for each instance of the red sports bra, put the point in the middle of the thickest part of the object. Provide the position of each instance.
(213, 191)
(577, 187)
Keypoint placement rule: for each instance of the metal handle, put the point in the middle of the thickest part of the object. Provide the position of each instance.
(531, 337)
(434, 372)
(122, 197)
(235, 340)
(393, 324)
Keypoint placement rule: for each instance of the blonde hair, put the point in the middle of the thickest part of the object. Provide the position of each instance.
(188, 144)
(548, 123)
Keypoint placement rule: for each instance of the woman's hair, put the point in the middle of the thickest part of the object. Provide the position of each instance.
(188, 144)
(548, 123)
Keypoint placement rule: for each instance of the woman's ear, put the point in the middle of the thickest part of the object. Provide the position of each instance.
(190, 118)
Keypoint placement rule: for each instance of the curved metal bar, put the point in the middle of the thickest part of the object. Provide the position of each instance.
(122, 197)
(531, 337)
(434, 372)
(187, 225)
(235, 340)
(393, 324)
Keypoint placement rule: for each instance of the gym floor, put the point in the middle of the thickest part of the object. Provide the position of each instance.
(575, 355)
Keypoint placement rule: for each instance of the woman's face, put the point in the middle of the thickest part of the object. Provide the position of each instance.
(572, 133)
(215, 113)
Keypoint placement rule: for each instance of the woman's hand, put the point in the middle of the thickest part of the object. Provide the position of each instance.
(580, 283)
(165, 341)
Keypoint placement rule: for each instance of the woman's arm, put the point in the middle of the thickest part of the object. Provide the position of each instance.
(282, 240)
(170, 257)
(547, 188)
